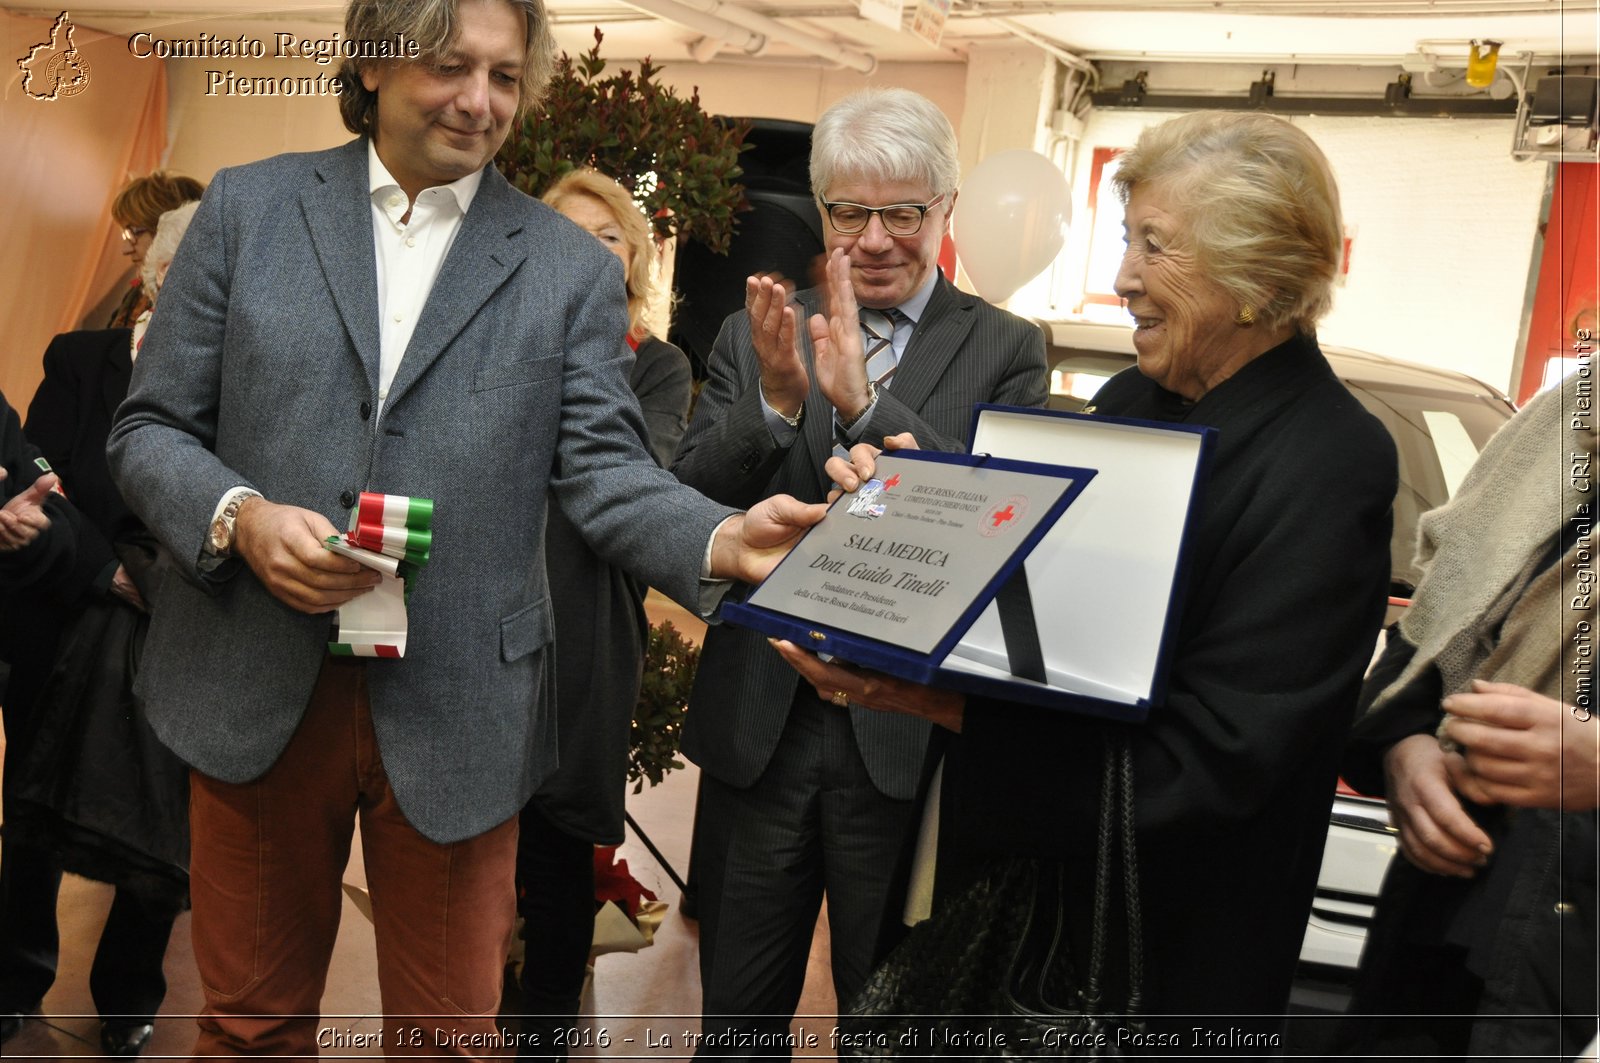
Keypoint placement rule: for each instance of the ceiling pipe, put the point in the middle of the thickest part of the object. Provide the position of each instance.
(734, 19)
(1292, 58)
(717, 29)
(1050, 47)
(705, 49)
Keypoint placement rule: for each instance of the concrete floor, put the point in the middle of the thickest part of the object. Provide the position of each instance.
(644, 1002)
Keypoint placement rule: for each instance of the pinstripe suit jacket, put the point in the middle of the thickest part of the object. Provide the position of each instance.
(261, 368)
(963, 351)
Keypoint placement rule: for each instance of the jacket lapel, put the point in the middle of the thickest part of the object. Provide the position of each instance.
(479, 262)
(934, 342)
(338, 213)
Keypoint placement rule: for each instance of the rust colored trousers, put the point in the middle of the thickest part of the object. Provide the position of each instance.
(267, 861)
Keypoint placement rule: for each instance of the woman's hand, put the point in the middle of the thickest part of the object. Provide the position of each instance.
(1436, 834)
(842, 684)
(1522, 748)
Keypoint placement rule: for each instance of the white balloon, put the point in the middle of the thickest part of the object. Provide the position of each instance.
(1011, 221)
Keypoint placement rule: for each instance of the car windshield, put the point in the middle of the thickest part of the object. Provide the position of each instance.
(1438, 434)
(1438, 429)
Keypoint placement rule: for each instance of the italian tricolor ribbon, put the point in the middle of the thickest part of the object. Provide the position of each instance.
(393, 534)
(393, 525)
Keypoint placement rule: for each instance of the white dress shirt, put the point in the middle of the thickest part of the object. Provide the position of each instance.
(410, 240)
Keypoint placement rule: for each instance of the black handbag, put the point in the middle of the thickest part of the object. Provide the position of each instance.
(992, 975)
(95, 786)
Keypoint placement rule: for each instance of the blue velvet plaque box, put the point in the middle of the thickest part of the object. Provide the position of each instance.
(1080, 615)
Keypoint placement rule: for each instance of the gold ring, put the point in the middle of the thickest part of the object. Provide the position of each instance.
(840, 698)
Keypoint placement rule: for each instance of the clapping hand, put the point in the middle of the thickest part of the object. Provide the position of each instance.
(836, 339)
(773, 329)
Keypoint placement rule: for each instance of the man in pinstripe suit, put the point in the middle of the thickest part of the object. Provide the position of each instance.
(800, 798)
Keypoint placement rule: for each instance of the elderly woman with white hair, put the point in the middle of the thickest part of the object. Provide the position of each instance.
(1233, 242)
(87, 787)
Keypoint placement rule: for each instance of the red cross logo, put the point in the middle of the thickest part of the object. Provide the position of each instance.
(891, 481)
(1001, 516)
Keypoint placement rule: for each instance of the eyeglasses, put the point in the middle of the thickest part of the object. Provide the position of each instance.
(900, 219)
(132, 233)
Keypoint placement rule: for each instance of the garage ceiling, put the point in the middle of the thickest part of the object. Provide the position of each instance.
(1366, 32)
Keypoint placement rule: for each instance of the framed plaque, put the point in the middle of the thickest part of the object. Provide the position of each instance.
(898, 571)
(1076, 613)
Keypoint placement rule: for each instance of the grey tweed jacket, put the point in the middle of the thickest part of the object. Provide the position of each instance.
(261, 368)
(963, 351)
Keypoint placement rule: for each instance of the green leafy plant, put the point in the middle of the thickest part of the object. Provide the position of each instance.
(680, 163)
(669, 665)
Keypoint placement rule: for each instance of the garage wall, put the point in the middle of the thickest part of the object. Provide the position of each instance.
(1445, 239)
(1444, 235)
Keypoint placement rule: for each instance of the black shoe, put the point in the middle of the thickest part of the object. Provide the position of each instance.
(10, 1024)
(125, 1039)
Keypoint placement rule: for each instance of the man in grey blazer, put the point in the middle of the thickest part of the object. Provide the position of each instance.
(799, 798)
(388, 316)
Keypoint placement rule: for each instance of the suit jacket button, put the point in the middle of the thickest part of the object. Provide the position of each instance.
(366, 411)
(347, 499)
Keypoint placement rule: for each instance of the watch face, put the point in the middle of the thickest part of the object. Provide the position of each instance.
(220, 539)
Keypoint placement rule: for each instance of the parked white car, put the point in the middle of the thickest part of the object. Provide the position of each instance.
(1440, 420)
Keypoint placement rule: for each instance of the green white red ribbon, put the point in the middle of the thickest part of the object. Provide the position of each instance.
(394, 525)
(393, 534)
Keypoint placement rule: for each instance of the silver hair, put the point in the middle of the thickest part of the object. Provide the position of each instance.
(164, 246)
(884, 135)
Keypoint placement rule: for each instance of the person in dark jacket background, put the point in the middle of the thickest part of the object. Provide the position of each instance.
(89, 788)
(1481, 734)
(37, 532)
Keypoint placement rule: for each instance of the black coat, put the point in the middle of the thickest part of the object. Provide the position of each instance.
(1235, 773)
(1472, 967)
(93, 784)
(49, 564)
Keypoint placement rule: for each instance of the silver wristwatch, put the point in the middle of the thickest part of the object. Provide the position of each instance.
(220, 541)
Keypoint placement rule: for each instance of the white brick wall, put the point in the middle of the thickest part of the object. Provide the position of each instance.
(1444, 236)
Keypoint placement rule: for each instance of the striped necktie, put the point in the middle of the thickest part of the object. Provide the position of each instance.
(877, 334)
